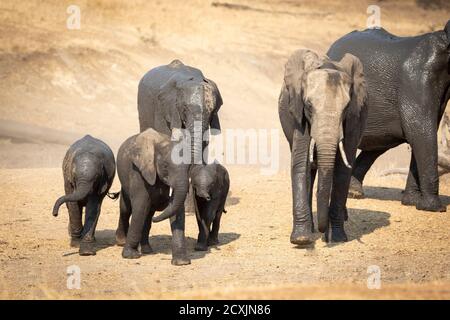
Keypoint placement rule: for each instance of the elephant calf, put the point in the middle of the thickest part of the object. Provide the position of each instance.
(210, 185)
(143, 165)
(88, 168)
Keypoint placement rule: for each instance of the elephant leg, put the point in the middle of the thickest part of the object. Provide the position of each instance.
(341, 183)
(179, 252)
(140, 206)
(93, 208)
(75, 222)
(202, 222)
(302, 222)
(214, 234)
(124, 219)
(75, 226)
(203, 234)
(145, 244)
(420, 116)
(424, 148)
(412, 194)
(362, 165)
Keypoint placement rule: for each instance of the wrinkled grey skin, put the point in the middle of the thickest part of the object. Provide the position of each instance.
(321, 101)
(408, 81)
(88, 170)
(174, 97)
(210, 185)
(143, 166)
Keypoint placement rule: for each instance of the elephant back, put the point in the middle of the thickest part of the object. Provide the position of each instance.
(151, 86)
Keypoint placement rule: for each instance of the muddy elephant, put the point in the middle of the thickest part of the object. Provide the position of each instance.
(88, 169)
(322, 112)
(408, 82)
(144, 164)
(210, 185)
(179, 101)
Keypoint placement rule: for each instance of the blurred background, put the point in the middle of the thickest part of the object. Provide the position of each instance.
(58, 84)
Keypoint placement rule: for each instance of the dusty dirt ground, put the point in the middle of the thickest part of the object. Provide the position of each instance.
(58, 84)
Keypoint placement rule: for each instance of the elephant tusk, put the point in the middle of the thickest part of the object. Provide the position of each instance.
(343, 155)
(312, 144)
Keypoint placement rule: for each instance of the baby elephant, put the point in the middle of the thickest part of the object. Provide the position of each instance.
(143, 166)
(210, 184)
(88, 170)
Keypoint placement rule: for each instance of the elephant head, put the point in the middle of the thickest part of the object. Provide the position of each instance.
(326, 98)
(193, 102)
(202, 179)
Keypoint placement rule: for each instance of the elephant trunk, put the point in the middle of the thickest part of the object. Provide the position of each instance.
(180, 189)
(196, 146)
(326, 154)
(80, 193)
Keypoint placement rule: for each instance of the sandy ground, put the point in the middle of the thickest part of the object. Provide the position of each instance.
(409, 246)
(58, 84)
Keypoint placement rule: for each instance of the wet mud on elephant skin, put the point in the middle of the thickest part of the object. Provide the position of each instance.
(408, 81)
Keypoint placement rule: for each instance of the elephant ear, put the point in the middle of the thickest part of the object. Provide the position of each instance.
(143, 154)
(447, 29)
(217, 98)
(169, 101)
(298, 65)
(356, 113)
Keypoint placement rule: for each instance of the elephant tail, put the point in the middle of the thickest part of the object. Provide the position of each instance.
(79, 194)
(113, 195)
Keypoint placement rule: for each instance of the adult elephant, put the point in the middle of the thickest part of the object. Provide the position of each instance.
(408, 81)
(174, 97)
(322, 110)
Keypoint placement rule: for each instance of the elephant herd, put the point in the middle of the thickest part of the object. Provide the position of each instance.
(372, 91)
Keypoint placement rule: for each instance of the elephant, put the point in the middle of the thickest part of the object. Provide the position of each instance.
(177, 98)
(322, 113)
(210, 185)
(408, 80)
(88, 169)
(143, 165)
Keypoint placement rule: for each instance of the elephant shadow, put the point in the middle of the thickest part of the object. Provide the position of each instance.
(163, 244)
(361, 222)
(393, 194)
(103, 239)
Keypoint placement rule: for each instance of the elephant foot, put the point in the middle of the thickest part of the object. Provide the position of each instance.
(356, 189)
(146, 249)
(199, 246)
(121, 239)
(336, 234)
(411, 198)
(431, 203)
(87, 248)
(212, 241)
(130, 253)
(302, 236)
(181, 261)
(75, 242)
